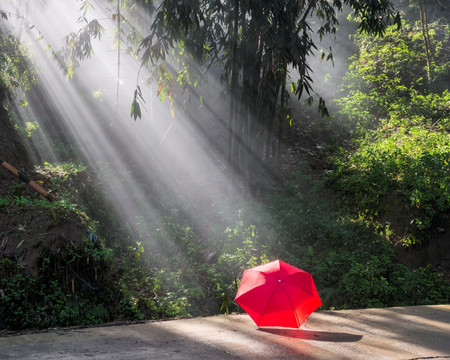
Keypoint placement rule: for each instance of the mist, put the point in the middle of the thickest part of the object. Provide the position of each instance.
(167, 155)
(172, 160)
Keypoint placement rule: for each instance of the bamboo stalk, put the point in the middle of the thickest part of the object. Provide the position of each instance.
(26, 179)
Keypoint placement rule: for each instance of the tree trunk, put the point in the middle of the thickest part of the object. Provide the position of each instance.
(233, 93)
(256, 109)
(426, 36)
(281, 116)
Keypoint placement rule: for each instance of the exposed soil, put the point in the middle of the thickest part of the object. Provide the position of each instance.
(25, 231)
(25, 234)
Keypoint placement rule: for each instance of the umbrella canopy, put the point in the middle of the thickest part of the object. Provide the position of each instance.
(278, 294)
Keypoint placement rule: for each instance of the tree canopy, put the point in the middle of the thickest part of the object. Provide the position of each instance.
(263, 47)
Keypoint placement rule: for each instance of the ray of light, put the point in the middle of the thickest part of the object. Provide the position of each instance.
(157, 148)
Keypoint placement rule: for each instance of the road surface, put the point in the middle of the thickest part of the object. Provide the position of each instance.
(419, 333)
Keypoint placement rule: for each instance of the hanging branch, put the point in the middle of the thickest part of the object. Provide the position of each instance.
(31, 26)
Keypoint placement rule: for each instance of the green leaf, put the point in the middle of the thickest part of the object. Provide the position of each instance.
(135, 110)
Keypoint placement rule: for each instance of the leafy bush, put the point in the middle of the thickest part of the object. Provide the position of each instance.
(399, 162)
(390, 74)
(410, 164)
(16, 71)
(352, 266)
(77, 286)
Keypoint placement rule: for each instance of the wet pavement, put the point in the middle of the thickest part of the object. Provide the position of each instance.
(409, 333)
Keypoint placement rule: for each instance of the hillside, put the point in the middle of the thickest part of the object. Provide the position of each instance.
(158, 208)
(55, 242)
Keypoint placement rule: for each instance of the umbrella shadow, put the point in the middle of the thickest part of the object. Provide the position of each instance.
(314, 335)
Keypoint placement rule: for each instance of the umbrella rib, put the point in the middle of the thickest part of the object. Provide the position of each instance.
(289, 299)
(302, 288)
(292, 306)
(267, 303)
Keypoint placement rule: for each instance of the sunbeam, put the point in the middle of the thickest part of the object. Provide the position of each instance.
(183, 143)
(92, 111)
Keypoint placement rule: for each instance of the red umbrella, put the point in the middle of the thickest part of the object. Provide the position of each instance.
(278, 294)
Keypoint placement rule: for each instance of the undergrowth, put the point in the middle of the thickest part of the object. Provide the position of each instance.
(81, 285)
(161, 261)
(396, 171)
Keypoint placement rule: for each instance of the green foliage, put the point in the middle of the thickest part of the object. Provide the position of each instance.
(167, 269)
(14, 309)
(79, 45)
(16, 71)
(244, 247)
(77, 286)
(389, 75)
(163, 263)
(59, 179)
(260, 45)
(352, 266)
(62, 170)
(28, 128)
(136, 288)
(83, 282)
(400, 157)
(370, 277)
(411, 165)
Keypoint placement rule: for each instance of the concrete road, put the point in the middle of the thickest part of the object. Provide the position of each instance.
(418, 333)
